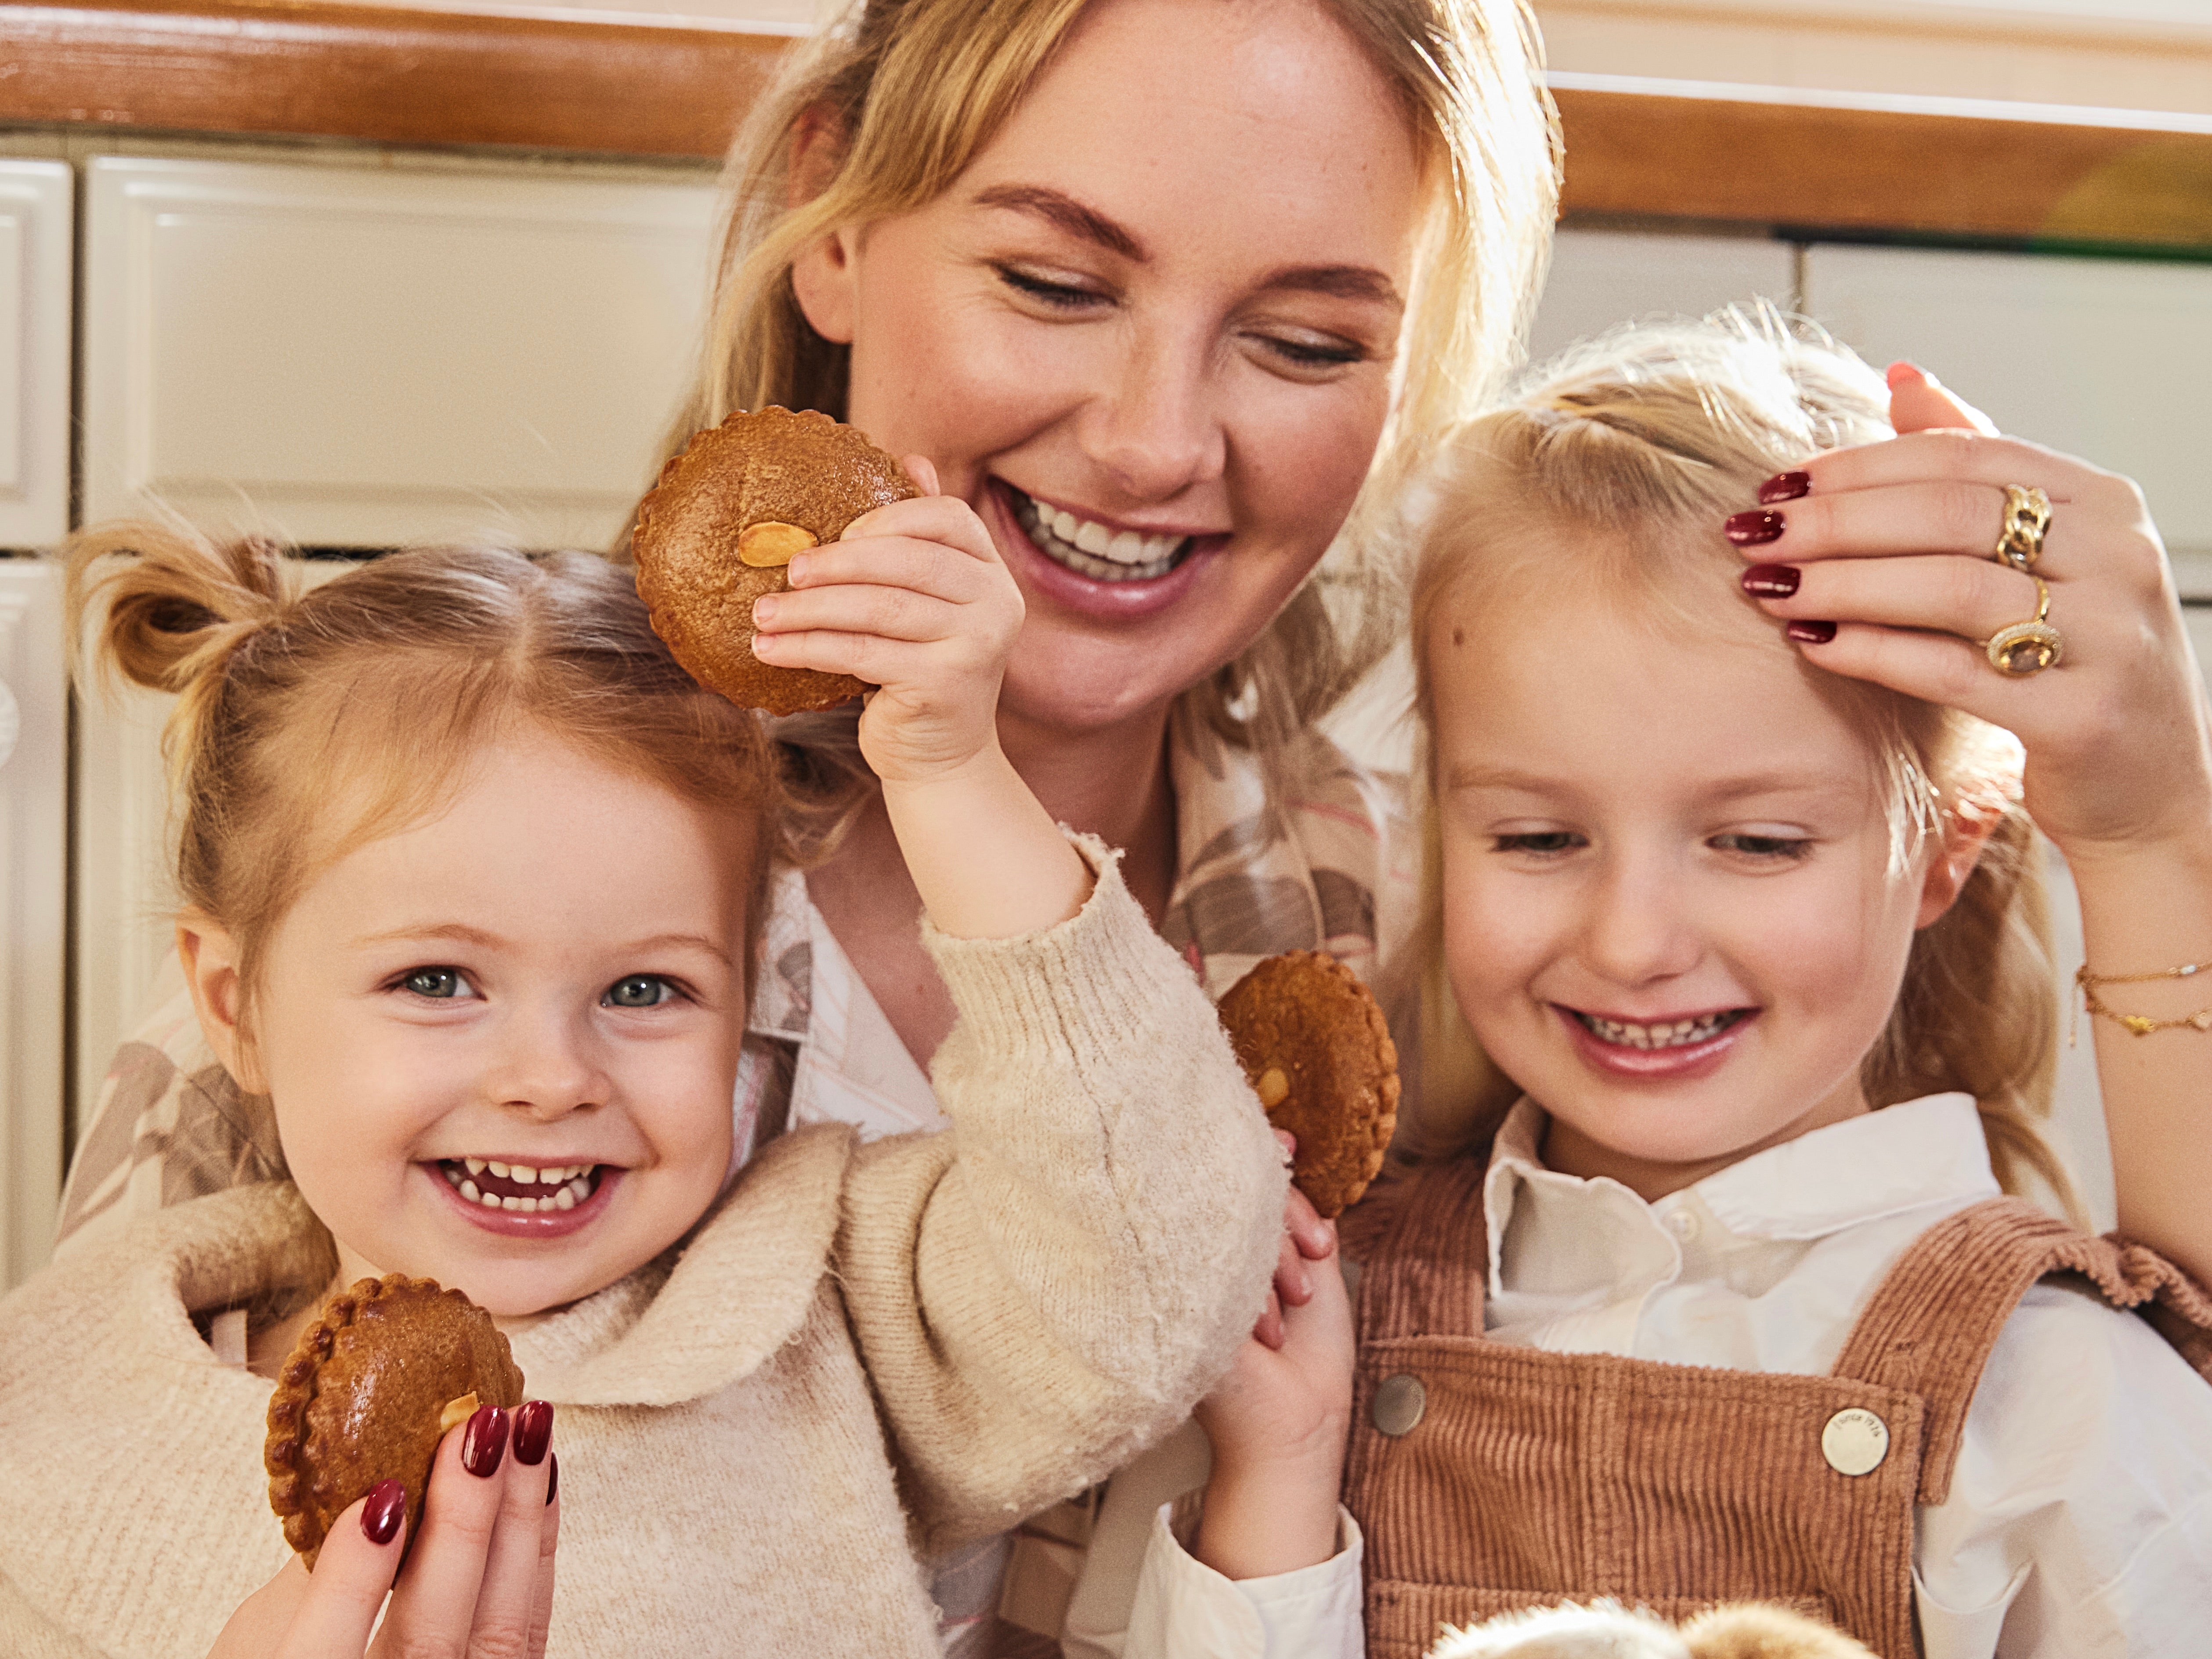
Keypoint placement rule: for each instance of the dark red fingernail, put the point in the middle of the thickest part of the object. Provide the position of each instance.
(484, 1443)
(386, 1509)
(1771, 582)
(1754, 529)
(1785, 487)
(534, 1433)
(1811, 633)
(553, 1481)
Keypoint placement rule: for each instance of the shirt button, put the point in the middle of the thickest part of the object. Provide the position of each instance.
(1684, 1224)
(1855, 1442)
(1398, 1403)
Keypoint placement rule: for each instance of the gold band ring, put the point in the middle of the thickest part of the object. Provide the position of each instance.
(2027, 647)
(2026, 521)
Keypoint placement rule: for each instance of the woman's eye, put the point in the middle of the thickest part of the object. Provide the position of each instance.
(639, 991)
(1059, 296)
(441, 984)
(1785, 848)
(1542, 842)
(1312, 355)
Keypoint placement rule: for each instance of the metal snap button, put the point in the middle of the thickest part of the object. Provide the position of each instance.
(1398, 1403)
(1855, 1442)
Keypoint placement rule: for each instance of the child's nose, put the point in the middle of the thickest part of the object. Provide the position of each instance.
(1640, 925)
(548, 1066)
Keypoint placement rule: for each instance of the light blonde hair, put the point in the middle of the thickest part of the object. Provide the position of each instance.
(917, 87)
(1637, 444)
(308, 724)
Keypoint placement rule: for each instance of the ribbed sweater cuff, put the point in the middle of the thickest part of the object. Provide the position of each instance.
(1083, 987)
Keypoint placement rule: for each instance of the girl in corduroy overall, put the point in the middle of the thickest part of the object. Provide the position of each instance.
(1748, 1285)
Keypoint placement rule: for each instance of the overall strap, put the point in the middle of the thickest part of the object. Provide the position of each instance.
(1932, 1323)
(1426, 1264)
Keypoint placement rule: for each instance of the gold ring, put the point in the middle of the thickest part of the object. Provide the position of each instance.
(2026, 521)
(2027, 647)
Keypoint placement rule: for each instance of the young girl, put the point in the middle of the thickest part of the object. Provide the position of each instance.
(471, 876)
(1730, 1304)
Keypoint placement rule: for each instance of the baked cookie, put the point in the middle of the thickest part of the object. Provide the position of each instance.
(727, 514)
(1319, 1055)
(384, 1368)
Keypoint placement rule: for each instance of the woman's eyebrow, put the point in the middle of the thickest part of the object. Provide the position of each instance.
(1069, 215)
(1338, 282)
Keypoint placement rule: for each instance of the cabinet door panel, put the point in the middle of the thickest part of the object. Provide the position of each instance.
(37, 202)
(2103, 359)
(33, 793)
(1601, 277)
(356, 359)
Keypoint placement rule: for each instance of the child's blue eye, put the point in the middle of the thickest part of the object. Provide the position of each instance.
(1765, 846)
(639, 991)
(1539, 841)
(442, 984)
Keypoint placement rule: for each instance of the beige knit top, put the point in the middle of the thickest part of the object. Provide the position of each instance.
(861, 1358)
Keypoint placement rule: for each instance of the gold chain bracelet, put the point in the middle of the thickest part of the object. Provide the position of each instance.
(2140, 1024)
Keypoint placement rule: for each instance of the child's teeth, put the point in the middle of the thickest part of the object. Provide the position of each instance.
(469, 1191)
(476, 1165)
(523, 1173)
(563, 1200)
(498, 1169)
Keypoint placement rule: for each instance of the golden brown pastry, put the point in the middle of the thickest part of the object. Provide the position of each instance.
(363, 1398)
(1319, 1055)
(727, 514)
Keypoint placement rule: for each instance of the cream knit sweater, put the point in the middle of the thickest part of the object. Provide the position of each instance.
(864, 1355)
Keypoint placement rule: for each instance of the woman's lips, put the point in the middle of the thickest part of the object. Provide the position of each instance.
(545, 1223)
(1109, 601)
(1689, 1061)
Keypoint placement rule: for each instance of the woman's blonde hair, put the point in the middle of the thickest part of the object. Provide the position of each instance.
(917, 87)
(1637, 445)
(309, 723)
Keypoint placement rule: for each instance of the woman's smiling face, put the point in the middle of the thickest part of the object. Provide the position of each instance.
(1150, 334)
(1671, 913)
(537, 997)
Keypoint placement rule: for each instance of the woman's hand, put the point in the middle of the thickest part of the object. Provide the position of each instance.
(915, 600)
(1887, 551)
(1278, 1421)
(479, 1581)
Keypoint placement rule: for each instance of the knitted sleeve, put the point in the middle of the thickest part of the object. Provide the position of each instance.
(1050, 1286)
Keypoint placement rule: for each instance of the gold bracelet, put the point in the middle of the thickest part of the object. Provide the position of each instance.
(2141, 1024)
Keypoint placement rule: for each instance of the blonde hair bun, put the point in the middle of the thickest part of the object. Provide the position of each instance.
(718, 530)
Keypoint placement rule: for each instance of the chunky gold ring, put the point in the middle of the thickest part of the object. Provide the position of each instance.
(2027, 647)
(2026, 521)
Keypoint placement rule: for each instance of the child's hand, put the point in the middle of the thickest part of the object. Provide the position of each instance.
(1892, 543)
(1278, 1421)
(915, 600)
(480, 1580)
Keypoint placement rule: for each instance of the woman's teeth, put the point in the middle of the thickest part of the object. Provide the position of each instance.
(1677, 1034)
(498, 1186)
(1090, 548)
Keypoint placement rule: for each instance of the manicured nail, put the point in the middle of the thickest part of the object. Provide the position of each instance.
(553, 1481)
(1754, 529)
(764, 608)
(484, 1442)
(1785, 487)
(534, 1433)
(1771, 582)
(1811, 633)
(386, 1509)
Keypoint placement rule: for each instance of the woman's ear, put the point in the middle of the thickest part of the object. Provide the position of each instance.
(824, 273)
(1967, 827)
(209, 956)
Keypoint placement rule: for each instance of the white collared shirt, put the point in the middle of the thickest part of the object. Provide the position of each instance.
(2080, 1517)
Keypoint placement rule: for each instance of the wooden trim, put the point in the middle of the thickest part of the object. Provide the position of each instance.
(386, 75)
(383, 75)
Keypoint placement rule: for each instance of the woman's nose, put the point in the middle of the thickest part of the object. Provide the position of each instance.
(1640, 926)
(1154, 430)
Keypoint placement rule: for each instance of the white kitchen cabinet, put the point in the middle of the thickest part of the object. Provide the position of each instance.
(37, 200)
(355, 358)
(33, 796)
(1601, 277)
(2106, 359)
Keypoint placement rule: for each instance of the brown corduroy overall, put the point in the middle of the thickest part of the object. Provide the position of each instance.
(1504, 1477)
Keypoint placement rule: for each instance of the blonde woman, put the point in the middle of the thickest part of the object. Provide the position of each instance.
(1170, 292)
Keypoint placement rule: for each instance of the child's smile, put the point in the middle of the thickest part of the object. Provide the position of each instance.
(501, 1044)
(1671, 909)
